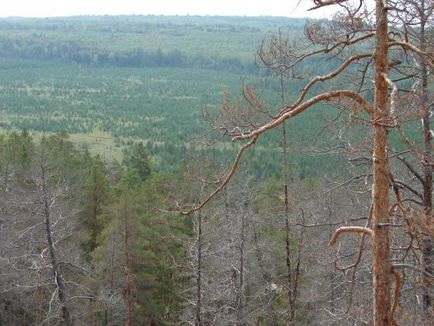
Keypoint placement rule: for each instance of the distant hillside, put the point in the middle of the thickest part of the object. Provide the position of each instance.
(143, 78)
(222, 43)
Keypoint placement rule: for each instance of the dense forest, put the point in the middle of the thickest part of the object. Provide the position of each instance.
(187, 170)
(161, 104)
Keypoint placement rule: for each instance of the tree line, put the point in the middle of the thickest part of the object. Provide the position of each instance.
(72, 52)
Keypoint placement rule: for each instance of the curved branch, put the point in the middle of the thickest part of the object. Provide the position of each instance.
(328, 50)
(225, 181)
(411, 47)
(329, 76)
(289, 112)
(351, 229)
(362, 245)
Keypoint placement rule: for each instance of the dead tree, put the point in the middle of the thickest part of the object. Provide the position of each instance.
(353, 28)
(415, 23)
(199, 262)
(57, 274)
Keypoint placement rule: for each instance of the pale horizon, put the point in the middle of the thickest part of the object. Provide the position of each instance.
(62, 8)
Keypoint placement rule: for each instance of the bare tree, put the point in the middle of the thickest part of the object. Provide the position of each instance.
(57, 274)
(354, 27)
(415, 24)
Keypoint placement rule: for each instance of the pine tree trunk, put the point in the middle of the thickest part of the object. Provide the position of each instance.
(380, 189)
(427, 249)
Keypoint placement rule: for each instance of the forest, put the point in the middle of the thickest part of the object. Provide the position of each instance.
(210, 170)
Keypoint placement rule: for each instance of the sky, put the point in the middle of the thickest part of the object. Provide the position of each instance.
(52, 8)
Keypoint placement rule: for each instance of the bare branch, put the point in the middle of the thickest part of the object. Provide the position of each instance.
(392, 96)
(351, 229)
(414, 191)
(329, 76)
(396, 291)
(289, 112)
(403, 266)
(411, 47)
(361, 247)
(323, 3)
(412, 170)
(345, 43)
(225, 181)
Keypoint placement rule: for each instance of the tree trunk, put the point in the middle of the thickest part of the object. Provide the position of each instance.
(199, 271)
(290, 281)
(287, 231)
(127, 269)
(380, 189)
(54, 264)
(240, 303)
(427, 250)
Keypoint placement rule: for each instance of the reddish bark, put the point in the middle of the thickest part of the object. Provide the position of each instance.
(381, 268)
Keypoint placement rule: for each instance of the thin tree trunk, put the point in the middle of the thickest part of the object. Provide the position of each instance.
(240, 305)
(289, 275)
(54, 264)
(199, 255)
(128, 276)
(290, 281)
(265, 277)
(107, 312)
(380, 188)
(427, 250)
(199, 271)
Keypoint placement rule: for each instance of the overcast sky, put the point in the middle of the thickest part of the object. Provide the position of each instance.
(50, 8)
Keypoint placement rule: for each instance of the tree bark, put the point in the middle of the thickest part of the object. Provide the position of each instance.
(54, 263)
(380, 189)
(427, 248)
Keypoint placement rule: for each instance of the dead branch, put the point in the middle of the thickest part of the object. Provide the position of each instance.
(361, 247)
(408, 187)
(329, 76)
(325, 50)
(426, 56)
(350, 229)
(289, 112)
(396, 292)
(412, 170)
(225, 181)
(392, 96)
(323, 3)
(403, 266)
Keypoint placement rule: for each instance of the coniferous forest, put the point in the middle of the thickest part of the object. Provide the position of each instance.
(212, 170)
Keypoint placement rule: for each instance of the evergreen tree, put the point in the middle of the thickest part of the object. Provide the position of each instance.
(95, 195)
(138, 161)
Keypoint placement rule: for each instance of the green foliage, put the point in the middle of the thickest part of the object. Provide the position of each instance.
(146, 79)
(119, 222)
(138, 161)
(148, 244)
(95, 196)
